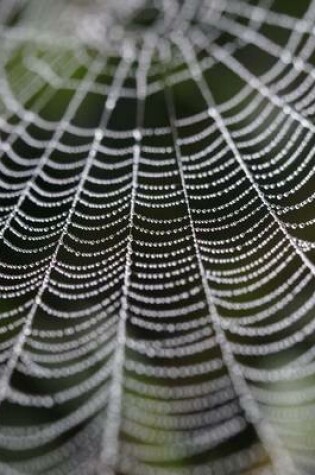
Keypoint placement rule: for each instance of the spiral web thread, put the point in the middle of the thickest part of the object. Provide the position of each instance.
(157, 234)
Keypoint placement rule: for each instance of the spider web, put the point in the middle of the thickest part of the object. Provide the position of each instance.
(157, 235)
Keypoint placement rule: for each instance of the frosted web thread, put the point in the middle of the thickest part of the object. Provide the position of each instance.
(157, 254)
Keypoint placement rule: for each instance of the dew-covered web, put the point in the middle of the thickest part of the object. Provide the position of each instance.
(157, 237)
